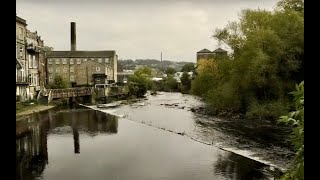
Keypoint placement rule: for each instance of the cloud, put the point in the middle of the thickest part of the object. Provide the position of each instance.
(135, 30)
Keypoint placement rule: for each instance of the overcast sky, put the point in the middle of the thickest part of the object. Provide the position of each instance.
(140, 30)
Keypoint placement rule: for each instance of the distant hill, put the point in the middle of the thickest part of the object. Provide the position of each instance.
(153, 63)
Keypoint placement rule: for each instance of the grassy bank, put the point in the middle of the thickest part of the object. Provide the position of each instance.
(26, 108)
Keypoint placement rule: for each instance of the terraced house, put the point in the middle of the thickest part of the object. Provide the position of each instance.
(81, 68)
(36, 63)
(22, 84)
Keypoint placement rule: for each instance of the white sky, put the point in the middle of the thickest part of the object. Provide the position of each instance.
(139, 30)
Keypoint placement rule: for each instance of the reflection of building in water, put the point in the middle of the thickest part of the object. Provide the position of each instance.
(31, 147)
(83, 122)
(31, 136)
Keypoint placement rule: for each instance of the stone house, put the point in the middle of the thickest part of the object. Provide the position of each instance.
(22, 84)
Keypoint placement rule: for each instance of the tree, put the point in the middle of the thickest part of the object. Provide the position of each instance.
(186, 82)
(267, 60)
(170, 70)
(59, 83)
(187, 67)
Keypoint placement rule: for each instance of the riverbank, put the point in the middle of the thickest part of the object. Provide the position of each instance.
(24, 110)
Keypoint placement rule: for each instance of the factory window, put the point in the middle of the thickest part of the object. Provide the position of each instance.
(84, 59)
(50, 78)
(64, 69)
(71, 69)
(79, 61)
(107, 60)
(50, 69)
(57, 69)
(97, 69)
(57, 61)
(71, 61)
(92, 59)
(71, 78)
(100, 60)
(49, 61)
(64, 61)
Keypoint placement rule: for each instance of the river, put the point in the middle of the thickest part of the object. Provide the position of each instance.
(145, 140)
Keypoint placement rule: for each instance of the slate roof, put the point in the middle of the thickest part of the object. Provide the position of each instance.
(219, 50)
(20, 20)
(204, 51)
(81, 53)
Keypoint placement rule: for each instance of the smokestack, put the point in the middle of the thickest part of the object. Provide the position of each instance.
(73, 37)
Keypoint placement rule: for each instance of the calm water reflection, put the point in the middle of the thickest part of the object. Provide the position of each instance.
(87, 144)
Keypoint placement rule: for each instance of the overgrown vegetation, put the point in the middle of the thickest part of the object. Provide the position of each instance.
(58, 83)
(267, 61)
(296, 119)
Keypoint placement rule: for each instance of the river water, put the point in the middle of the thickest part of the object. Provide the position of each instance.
(137, 141)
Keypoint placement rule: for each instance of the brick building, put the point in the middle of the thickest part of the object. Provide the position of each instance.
(80, 68)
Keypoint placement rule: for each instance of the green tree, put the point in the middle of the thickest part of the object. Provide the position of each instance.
(187, 67)
(186, 82)
(170, 84)
(170, 70)
(59, 83)
(267, 61)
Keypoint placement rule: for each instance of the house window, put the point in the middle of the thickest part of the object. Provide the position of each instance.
(20, 33)
(35, 79)
(71, 69)
(100, 60)
(49, 61)
(64, 61)
(35, 63)
(79, 61)
(64, 69)
(57, 61)
(51, 69)
(30, 61)
(97, 69)
(71, 78)
(71, 61)
(21, 52)
(30, 79)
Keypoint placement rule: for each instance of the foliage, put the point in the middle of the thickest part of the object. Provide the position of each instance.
(59, 83)
(170, 84)
(187, 67)
(267, 60)
(296, 119)
(186, 82)
(170, 70)
(140, 81)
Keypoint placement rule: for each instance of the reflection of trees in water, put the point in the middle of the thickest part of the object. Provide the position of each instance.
(31, 136)
(237, 167)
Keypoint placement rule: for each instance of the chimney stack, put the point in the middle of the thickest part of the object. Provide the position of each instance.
(73, 37)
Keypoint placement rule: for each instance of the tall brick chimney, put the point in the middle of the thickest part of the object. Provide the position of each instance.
(73, 37)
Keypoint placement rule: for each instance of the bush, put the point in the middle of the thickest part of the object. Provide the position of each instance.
(59, 83)
(269, 110)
